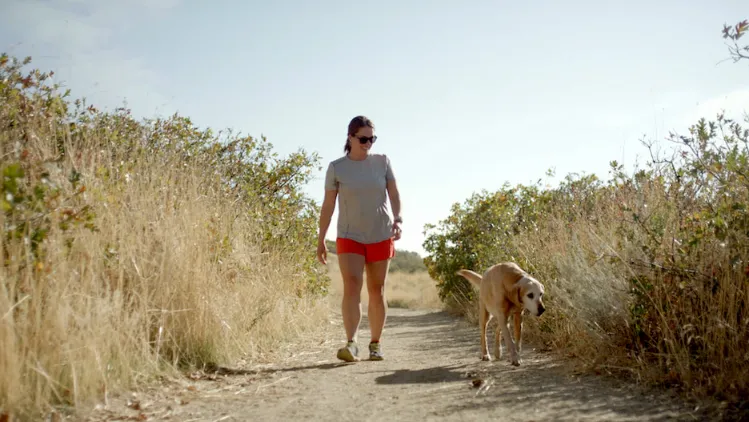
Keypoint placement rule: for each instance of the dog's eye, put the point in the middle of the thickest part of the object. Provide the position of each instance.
(530, 295)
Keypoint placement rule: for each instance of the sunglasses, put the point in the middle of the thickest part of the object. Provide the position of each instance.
(363, 139)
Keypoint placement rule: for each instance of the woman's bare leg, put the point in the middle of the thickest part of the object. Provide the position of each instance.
(377, 310)
(352, 273)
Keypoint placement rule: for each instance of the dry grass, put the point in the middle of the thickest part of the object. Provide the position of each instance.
(646, 274)
(150, 285)
(587, 298)
(402, 290)
(174, 274)
(647, 282)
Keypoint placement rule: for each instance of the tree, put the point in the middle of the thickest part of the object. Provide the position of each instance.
(734, 33)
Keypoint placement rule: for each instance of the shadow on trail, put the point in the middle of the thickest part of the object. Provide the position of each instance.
(423, 376)
(222, 370)
(538, 387)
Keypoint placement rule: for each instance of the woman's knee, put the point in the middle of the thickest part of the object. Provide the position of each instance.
(352, 285)
(376, 290)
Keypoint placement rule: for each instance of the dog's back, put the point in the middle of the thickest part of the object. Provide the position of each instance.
(505, 274)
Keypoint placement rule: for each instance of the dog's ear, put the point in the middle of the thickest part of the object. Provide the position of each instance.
(521, 292)
(516, 293)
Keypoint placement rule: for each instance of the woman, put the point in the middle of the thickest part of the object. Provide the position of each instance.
(366, 233)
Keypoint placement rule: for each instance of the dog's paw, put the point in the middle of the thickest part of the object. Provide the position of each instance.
(486, 358)
(515, 362)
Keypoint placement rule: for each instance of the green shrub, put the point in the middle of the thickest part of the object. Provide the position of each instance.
(132, 247)
(648, 271)
(407, 262)
(404, 261)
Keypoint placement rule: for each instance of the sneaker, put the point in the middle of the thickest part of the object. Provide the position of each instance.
(349, 352)
(374, 352)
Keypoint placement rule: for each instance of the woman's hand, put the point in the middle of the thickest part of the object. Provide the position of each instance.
(322, 252)
(397, 230)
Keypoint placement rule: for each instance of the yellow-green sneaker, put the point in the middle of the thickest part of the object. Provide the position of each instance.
(349, 352)
(374, 352)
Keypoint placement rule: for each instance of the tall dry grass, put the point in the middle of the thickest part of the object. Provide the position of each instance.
(122, 264)
(646, 275)
(411, 290)
(631, 299)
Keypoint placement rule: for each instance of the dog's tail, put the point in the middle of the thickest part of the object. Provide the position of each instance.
(471, 276)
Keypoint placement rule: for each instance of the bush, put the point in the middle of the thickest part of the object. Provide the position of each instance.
(655, 264)
(404, 261)
(132, 247)
(648, 271)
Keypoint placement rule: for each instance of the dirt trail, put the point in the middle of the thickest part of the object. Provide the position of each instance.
(431, 363)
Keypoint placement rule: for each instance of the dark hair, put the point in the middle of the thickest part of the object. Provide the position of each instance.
(354, 125)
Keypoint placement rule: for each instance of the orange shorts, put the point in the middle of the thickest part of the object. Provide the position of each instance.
(371, 251)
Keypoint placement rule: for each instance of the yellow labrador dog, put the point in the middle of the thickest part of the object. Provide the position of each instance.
(505, 289)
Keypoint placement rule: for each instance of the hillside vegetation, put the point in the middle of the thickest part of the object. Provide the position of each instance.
(136, 248)
(133, 248)
(403, 262)
(647, 273)
(408, 284)
(403, 289)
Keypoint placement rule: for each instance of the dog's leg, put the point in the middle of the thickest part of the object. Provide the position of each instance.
(483, 322)
(517, 320)
(497, 339)
(504, 325)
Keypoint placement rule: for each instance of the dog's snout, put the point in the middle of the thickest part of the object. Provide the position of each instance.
(541, 309)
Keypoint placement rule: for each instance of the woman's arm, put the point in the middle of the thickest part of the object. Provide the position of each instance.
(395, 198)
(328, 204)
(395, 203)
(392, 188)
(326, 213)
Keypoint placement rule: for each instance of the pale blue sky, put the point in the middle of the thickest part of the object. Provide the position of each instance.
(464, 97)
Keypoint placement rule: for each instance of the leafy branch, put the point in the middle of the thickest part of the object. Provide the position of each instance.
(734, 33)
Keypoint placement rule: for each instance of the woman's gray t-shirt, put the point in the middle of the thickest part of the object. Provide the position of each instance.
(362, 202)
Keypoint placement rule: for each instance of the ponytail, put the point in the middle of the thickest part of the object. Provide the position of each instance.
(347, 147)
